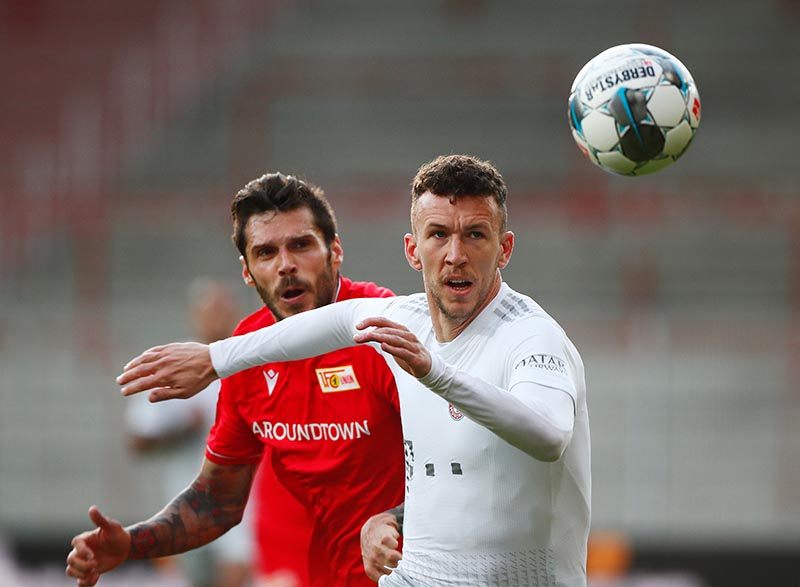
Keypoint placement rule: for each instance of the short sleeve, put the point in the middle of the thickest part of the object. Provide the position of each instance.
(230, 440)
(542, 357)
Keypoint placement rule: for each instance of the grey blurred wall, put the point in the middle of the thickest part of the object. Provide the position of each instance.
(680, 289)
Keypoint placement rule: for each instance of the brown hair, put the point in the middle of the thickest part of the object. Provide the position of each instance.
(275, 192)
(461, 175)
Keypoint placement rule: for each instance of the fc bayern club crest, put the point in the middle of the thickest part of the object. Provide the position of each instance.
(455, 414)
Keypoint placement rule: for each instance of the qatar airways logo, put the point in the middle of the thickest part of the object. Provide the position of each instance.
(313, 431)
(543, 362)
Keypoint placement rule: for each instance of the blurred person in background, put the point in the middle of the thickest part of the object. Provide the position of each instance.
(608, 559)
(609, 563)
(176, 432)
(329, 426)
(492, 391)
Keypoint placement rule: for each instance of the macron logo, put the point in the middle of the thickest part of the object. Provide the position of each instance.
(272, 378)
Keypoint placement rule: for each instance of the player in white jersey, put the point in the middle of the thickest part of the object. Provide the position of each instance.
(492, 395)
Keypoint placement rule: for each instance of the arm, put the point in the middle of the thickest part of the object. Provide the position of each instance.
(308, 334)
(532, 417)
(380, 542)
(213, 504)
(535, 418)
(205, 510)
(180, 370)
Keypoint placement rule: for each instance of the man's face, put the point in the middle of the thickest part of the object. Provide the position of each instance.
(458, 246)
(288, 262)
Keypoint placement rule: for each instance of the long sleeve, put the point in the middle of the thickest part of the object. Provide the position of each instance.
(304, 335)
(532, 417)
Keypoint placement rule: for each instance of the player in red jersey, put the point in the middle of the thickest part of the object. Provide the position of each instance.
(331, 423)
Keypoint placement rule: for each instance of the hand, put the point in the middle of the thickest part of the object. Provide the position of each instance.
(380, 545)
(174, 371)
(398, 341)
(98, 551)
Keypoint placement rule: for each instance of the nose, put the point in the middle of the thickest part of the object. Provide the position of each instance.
(286, 265)
(456, 253)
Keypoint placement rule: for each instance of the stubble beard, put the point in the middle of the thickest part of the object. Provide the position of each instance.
(324, 291)
(464, 313)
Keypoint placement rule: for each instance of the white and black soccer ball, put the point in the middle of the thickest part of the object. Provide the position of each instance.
(634, 109)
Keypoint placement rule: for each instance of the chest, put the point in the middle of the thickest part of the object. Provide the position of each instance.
(343, 386)
(431, 421)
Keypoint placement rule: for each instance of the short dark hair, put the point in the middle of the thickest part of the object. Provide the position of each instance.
(461, 175)
(276, 192)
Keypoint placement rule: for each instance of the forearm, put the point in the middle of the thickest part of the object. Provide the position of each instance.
(534, 418)
(198, 515)
(304, 335)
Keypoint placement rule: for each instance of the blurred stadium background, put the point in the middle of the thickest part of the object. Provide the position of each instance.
(128, 126)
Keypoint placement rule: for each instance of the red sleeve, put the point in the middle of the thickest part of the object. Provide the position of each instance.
(231, 441)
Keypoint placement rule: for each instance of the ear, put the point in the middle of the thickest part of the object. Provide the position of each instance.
(412, 255)
(337, 253)
(248, 279)
(506, 248)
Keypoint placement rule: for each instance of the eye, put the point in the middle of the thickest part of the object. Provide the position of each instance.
(300, 244)
(476, 234)
(266, 252)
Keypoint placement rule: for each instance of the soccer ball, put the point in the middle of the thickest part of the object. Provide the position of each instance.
(634, 109)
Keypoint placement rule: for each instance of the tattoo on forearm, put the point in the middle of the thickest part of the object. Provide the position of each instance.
(205, 510)
(399, 514)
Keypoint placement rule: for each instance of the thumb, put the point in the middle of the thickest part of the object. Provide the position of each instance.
(99, 519)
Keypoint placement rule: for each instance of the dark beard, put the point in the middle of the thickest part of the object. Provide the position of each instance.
(324, 296)
(267, 299)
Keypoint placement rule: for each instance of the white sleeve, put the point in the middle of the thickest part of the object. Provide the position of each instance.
(303, 335)
(530, 416)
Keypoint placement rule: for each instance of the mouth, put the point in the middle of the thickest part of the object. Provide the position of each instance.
(458, 284)
(292, 294)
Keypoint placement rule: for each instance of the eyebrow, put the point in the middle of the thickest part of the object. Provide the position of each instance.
(294, 238)
(483, 224)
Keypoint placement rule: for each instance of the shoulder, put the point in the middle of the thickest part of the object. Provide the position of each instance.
(258, 319)
(518, 313)
(362, 289)
(511, 306)
(414, 305)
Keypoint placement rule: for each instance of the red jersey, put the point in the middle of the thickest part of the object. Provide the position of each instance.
(281, 529)
(333, 427)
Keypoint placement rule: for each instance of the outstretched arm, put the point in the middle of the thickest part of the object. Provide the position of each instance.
(180, 370)
(534, 418)
(205, 510)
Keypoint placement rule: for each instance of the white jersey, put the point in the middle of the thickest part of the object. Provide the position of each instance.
(478, 511)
